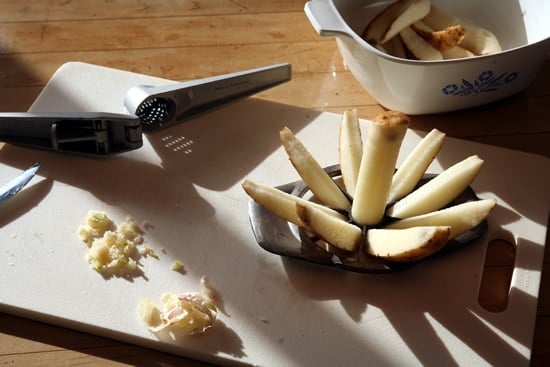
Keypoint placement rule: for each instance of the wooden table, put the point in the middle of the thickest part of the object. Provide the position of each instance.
(183, 40)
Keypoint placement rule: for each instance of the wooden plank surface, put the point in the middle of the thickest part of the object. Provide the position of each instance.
(183, 40)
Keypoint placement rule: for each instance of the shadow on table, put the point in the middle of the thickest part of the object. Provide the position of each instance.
(16, 77)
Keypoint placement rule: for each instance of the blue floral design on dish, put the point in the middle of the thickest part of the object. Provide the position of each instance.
(487, 81)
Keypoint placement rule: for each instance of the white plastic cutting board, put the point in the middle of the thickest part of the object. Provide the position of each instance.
(185, 182)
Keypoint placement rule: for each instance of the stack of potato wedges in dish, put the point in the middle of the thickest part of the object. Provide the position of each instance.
(417, 29)
(373, 207)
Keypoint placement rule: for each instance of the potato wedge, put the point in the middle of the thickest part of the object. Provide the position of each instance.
(480, 41)
(335, 231)
(439, 191)
(418, 46)
(415, 165)
(280, 203)
(461, 218)
(441, 40)
(380, 152)
(350, 149)
(395, 47)
(456, 52)
(390, 21)
(311, 172)
(411, 244)
(477, 39)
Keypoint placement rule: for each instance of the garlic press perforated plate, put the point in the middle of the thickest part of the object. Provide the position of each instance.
(149, 110)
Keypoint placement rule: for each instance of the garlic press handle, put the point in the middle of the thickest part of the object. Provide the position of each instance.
(163, 106)
(209, 93)
(97, 134)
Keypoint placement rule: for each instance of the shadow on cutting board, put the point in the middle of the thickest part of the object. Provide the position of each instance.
(24, 201)
(215, 151)
(161, 180)
(411, 301)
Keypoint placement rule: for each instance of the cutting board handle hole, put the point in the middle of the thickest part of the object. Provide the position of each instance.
(497, 275)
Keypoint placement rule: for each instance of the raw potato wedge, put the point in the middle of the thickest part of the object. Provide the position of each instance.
(418, 46)
(456, 52)
(395, 47)
(380, 152)
(311, 172)
(441, 40)
(411, 244)
(335, 231)
(439, 191)
(280, 203)
(461, 218)
(478, 40)
(415, 165)
(350, 149)
(390, 21)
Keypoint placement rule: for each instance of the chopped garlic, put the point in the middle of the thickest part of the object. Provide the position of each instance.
(148, 251)
(96, 224)
(112, 251)
(177, 266)
(130, 229)
(112, 248)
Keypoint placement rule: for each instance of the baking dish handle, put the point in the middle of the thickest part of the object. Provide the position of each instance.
(324, 17)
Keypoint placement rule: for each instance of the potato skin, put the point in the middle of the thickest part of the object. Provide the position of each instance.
(406, 245)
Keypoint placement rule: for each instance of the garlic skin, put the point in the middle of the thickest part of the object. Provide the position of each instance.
(194, 312)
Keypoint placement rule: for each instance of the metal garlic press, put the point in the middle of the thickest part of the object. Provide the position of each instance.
(164, 106)
(149, 109)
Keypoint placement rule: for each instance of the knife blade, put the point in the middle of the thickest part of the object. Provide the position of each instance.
(14, 186)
